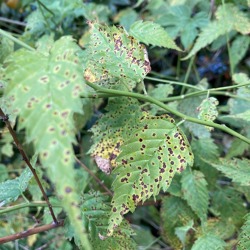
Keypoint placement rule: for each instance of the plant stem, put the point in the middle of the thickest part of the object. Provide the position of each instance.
(172, 82)
(188, 73)
(4, 210)
(6, 34)
(167, 108)
(5, 119)
(31, 231)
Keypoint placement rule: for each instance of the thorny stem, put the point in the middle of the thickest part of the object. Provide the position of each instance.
(26, 159)
(31, 231)
(167, 108)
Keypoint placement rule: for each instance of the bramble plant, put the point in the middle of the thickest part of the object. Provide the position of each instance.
(125, 125)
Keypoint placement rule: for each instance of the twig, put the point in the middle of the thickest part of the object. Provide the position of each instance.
(95, 177)
(5, 119)
(31, 231)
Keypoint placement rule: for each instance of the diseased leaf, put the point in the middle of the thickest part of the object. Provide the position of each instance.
(10, 190)
(244, 237)
(112, 53)
(152, 33)
(209, 241)
(238, 170)
(228, 18)
(44, 90)
(114, 127)
(207, 110)
(195, 192)
(149, 158)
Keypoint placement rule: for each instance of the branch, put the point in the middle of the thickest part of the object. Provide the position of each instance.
(5, 119)
(167, 108)
(31, 231)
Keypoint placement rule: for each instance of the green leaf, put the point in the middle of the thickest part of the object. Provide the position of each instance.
(151, 156)
(242, 105)
(238, 170)
(244, 237)
(180, 20)
(205, 153)
(238, 49)
(195, 192)
(175, 213)
(181, 232)
(209, 241)
(241, 78)
(237, 148)
(6, 48)
(228, 18)
(126, 17)
(114, 54)
(231, 200)
(152, 33)
(44, 89)
(10, 190)
(3, 172)
(161, 91)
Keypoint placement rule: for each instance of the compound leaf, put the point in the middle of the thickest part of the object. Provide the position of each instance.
(44, 89)
(154, 153)
(152, 33)
(228, 18)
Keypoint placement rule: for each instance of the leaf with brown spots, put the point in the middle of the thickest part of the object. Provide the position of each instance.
(113, 54)
(45, 90)
(156, 150)
(114, 127)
